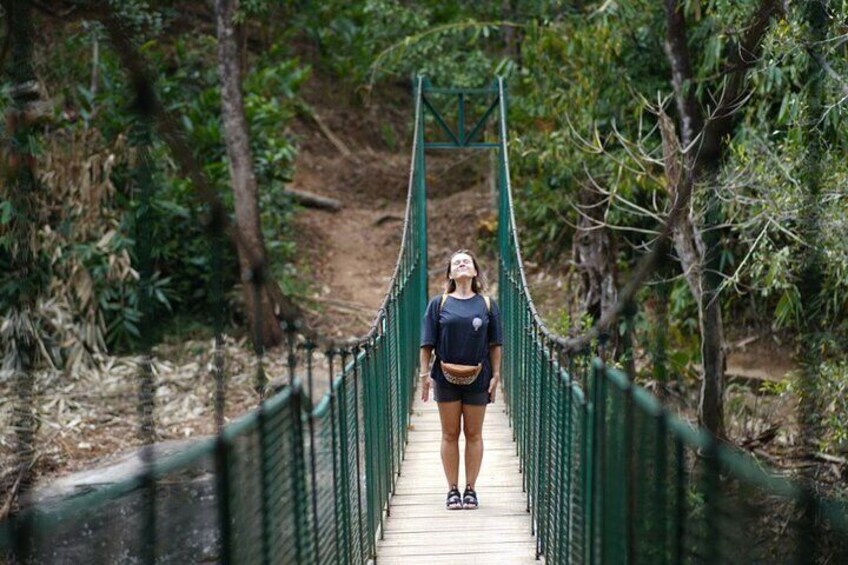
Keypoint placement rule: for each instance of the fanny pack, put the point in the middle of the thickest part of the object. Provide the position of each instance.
(461, 374)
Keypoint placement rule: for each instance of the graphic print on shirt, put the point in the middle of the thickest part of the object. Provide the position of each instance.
(476, 322)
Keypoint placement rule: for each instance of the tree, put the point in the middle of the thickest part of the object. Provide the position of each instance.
(810, 285)
(594, 253)
(264, 300)
(260, 291)
(596, 78)
(702, 141)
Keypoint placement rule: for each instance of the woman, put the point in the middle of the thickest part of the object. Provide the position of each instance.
(463, 327)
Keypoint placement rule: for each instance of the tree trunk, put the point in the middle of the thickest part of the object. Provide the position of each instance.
(698, 244)
(698, 255)
(251, 248)
(594, 256)
(698, 258)
(711, 407)
(810, 285)
(510, 33)
(692, 250)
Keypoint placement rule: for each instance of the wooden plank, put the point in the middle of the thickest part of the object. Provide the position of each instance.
(436, 511)
(459, 557)
(459, 546)
(437, 527)
(419, 529)
(506, 496)
(410, 539)
(405, 489)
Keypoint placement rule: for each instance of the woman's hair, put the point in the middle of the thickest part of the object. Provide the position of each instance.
(477, 283)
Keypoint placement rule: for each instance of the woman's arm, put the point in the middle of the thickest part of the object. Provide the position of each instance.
(495, 360)
(424, 374)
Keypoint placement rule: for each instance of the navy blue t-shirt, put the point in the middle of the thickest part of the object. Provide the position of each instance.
(462, 334)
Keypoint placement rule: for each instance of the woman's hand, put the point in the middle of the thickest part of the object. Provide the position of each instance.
(493, 386)
(425, 388)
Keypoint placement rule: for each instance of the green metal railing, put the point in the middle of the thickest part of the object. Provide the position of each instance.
(611, 477)
(291, 482)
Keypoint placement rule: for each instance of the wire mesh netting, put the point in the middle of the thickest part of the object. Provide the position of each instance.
(612, 477)
(299, 479)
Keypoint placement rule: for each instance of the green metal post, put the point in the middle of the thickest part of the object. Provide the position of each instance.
(680, 501)
(460, 120)
(661, 485)
(264, 480)
(298, 482)
(222, 471)
(343, 460)
(588, 458)
(712, 547)
(357, 434)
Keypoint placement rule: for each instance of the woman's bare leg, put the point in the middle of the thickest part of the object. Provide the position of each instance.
(449, 414)
(472, 427)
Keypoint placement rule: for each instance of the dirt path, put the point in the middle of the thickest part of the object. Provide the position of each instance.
(351, 254)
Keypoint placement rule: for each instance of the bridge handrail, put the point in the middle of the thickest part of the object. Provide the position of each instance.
(288, 482)
(611, 475)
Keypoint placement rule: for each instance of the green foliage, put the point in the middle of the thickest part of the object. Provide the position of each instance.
(581, 116)
(577, 88)
(767, 175)
(562, 323)
(833, 390)
(268, 104)
(831, 386)
(188, 86)
(378, 39)
(183, 253)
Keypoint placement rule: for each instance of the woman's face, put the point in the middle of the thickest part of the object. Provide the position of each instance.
(462, 266)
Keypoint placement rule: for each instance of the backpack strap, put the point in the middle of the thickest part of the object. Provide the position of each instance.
(486, 298)
(441, 303)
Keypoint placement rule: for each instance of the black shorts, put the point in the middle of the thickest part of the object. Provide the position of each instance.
(447, 392)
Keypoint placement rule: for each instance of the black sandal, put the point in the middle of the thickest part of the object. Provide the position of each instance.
(454, 502)
(469, 499)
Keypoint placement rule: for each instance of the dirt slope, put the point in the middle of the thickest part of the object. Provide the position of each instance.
(351, 254)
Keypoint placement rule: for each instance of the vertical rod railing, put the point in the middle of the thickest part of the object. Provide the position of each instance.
(297, 477)
(310, 347)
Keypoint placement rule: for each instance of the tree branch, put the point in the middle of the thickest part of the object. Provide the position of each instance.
(740, 60)
(643, 270)
(843, 85)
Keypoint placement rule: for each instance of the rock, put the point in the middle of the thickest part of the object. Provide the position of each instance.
(82, 518)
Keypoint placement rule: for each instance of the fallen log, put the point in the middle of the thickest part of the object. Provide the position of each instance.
(831, 458)
(311, 200)
(388, 218)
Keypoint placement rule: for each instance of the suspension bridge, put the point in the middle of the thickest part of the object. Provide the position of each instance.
(581, 465)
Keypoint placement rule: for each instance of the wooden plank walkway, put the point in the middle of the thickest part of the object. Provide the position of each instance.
(421, 530)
